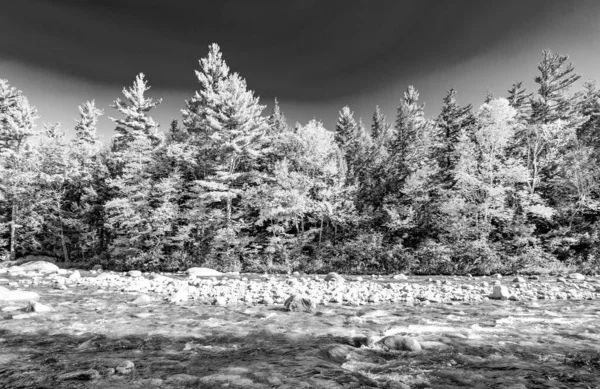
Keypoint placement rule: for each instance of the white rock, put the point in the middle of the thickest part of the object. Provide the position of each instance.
(500, 292)
(203, 272)
(400, 277)
(143, 300)
(134, 273)
(40, 266)
(577, 276)
(75, 275)
(34, 306)
(180, 296)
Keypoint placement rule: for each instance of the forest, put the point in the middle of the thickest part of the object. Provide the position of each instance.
(510, 186)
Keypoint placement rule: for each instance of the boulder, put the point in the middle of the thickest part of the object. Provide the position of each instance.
(34, 306)
(75, 275)
(400, 343)
(134, 273)
(577, 276)
(203, 272)
(500, 292)
(40, 266)
(519, 279)
(143, 300)
(336, 352)
(18, 295)
(400, 277)
(125, 367)
(334, 277)
(298, 303)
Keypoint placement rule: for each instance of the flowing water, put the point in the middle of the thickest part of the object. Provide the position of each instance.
(489, 344)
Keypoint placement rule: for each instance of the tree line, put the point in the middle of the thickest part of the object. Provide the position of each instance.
(513, 185)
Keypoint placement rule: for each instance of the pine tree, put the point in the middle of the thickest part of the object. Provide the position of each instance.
(519, 99)
(85, 130)
(553, 101)
(407, 129)
(137, 123)
(277, 121)
(452, 120)
(346, 128)
(213, 71)
(17, 118)
(589, 132)
(235, 132)
(379, 127)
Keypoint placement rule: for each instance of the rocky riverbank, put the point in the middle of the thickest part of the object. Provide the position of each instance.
(73, 328)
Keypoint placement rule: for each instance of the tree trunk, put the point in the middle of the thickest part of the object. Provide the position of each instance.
(13, 232)
(63, 242)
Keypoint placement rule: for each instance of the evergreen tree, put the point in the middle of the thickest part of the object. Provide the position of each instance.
(277, 121)
(553, 101)
(17, 118)
(213, 71)
(452, 120)
(85, 130)
(519, 99)
(136, 123)
(379, 127)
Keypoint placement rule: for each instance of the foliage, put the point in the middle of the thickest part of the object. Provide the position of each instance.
(511, 186)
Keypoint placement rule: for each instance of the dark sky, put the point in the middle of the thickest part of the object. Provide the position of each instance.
(314, 55)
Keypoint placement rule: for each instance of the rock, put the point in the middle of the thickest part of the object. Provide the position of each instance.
(107, 276)
(296, 273)
(143, 300)
(335, 278)
(75, 275)
(81, 375)
(434, 345)
(336, 352)
(203, 272)
(134, 273)
(97, 268)
(24, 316)
(497, 276)
(398, 342)
(34, 306)
(18, 295)
(298, 303)
(360, 341)
(220, 301)
(400, 277)
(40, 266)
(576, 276)
(519, 279)
(182, 379)
(180, 296)
(125, 367)
(500, 292)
